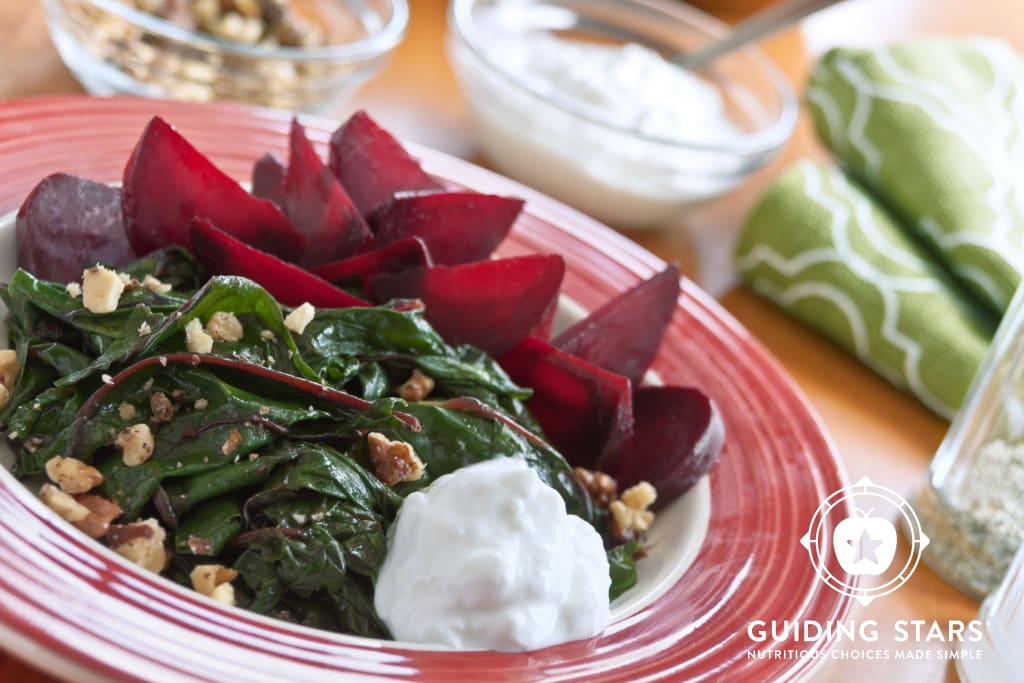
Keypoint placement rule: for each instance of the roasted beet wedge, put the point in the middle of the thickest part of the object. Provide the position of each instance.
(317, 205)
(457, 227)
(268, 178)
(677, 437)
(585, 411)
(222, 254)
(372, 165)
(395, 257)
(167, 183)
(489, 304)
(68, 223)
(624, 334)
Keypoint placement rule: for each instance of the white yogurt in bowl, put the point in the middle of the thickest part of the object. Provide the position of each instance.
(579, 101)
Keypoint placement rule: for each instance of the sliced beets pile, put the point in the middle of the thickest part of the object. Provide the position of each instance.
(371, 218)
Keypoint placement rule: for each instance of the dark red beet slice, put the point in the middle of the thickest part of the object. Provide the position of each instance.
(222, 254)
(677, 437)
(268, 178)
(397, 256)
(67, 224)
(585, 411)
(372, 165)
(458, 227)
(624, 334)
(167, 183)
(318, 206)
(489, 304)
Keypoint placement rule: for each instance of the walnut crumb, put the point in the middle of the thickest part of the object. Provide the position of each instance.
(141, 542)
(127, 411)
(201, 404)
(234, 438)
(63, 503)
(136, 444)
(225, 327)
(630, 518)
(603, 488)
(72, 475)
(417, 387)
(268, 336)
(300, 317)
(73, 289)
(154, 284)
(393, 461)
(214, 581)
(162, 407)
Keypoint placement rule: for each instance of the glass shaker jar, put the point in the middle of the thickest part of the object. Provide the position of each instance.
(972, 506)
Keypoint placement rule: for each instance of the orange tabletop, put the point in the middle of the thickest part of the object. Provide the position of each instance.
(878, 431)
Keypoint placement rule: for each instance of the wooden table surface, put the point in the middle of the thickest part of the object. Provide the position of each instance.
(878, 431)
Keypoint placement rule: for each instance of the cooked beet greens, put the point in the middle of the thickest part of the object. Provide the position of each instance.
(260, 459)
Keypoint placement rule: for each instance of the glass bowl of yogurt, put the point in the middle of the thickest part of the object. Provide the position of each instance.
(580, 99)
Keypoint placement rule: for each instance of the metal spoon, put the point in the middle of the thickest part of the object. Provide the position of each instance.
(757, 26)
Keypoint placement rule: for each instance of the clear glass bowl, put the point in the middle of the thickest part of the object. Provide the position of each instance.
(972, 506)
(618, 174)
(113, 48)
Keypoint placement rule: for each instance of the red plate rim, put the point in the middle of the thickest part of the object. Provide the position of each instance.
(77, 613)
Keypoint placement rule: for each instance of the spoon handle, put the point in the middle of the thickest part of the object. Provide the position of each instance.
(757, 26)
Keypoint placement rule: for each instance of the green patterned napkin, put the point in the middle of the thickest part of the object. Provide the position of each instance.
(823, 249)
(935, 130)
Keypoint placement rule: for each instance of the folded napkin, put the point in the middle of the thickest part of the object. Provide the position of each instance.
(826, 251)
(935, 130)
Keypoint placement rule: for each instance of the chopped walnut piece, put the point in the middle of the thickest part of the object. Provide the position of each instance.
(214, 580)
(101, 513)
(72, 475)
(231, 443)
(268, 336)
(9, 368)
(297, 320)
(136, 444)
(153, 284)
(196, 339)
(630, 517)
(63, 503)
(162, 407)
(127, 411)
(225, 327)
(603, 488)
(101, 289)
(393, 461)
(201, 404)
(141, 542)
(417, 387)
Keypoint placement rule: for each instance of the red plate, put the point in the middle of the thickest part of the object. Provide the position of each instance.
(68, 608)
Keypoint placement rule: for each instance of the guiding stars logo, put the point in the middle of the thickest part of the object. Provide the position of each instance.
(864, 542)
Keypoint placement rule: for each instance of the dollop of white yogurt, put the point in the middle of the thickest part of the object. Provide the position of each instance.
(487, 558)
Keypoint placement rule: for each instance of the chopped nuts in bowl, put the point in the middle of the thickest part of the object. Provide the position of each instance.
(306, 55)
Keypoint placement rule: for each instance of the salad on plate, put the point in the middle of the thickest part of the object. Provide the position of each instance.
(245, 391)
